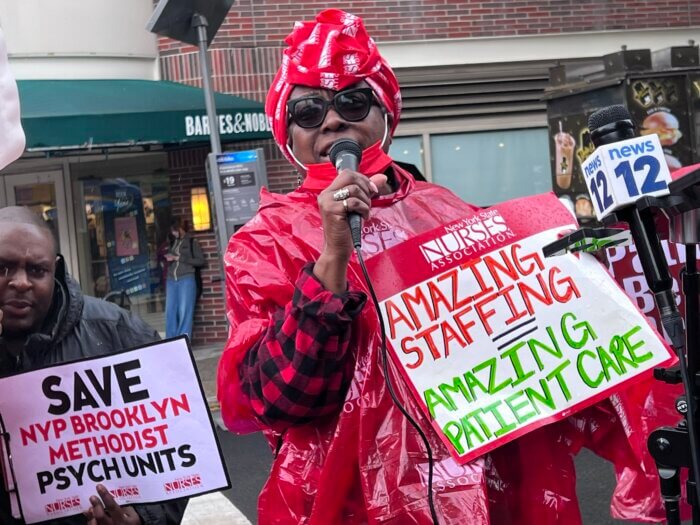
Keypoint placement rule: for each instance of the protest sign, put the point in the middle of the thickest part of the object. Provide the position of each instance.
(493, 339)
(135, 421)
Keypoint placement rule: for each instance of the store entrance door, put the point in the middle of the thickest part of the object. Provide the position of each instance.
(43, 192)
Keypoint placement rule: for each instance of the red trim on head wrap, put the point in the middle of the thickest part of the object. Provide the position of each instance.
(333, 52)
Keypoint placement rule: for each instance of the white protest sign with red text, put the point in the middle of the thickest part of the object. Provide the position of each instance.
(136, 422)
(493, 339)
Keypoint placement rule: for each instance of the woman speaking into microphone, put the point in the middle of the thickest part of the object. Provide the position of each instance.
(303, 361)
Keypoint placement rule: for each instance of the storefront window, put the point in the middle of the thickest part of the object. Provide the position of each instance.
(124, 227)
(41, 199)
(408, 150)
(490, 167)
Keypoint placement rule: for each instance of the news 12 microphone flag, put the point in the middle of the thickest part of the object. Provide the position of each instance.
(136, 422)
(620, 173)
(494, 340)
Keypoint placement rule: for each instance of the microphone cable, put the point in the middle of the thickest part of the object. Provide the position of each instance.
(392, 393)
(346, 153)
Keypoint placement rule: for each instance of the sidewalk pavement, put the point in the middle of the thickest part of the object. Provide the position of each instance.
(207, 360)
(214, 508)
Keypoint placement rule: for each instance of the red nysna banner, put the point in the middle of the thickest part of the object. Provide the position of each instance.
(494, 339)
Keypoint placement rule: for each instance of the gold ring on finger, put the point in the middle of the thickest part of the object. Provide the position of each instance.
(342, 193)
(345, 205)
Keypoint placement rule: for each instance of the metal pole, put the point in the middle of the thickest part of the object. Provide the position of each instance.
(691, 279)
(200, 22)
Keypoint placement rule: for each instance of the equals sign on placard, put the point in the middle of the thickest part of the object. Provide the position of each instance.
(516, 332)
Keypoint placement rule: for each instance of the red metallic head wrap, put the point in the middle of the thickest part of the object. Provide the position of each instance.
(333, 52)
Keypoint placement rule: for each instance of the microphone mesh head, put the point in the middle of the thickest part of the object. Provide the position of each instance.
(345, 145)
(608, 115)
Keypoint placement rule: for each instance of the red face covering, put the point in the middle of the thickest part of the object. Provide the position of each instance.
(334, 52)
(319, 176)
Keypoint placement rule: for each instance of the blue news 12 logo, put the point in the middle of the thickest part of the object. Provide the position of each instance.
(618, 174)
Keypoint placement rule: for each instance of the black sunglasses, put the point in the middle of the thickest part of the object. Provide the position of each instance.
(310, 111)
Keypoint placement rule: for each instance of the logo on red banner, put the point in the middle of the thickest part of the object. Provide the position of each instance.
(469, 236)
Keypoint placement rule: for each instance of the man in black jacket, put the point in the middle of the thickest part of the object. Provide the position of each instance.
(45, 320)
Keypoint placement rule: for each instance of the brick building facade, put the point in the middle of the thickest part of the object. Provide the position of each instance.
(246, 51)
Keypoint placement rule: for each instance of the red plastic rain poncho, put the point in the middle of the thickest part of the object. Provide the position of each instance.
(367, 464)
(364, 463)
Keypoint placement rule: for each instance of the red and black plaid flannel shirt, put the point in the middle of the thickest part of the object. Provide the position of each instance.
(301, 368)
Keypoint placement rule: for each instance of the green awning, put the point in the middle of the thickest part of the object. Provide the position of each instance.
(78, 114)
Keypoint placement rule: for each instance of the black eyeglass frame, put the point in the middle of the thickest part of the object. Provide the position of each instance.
(326, 104)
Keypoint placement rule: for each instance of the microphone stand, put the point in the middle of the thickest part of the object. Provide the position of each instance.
(673, 448)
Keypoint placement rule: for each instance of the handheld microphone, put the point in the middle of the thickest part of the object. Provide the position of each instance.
(346, 154)
(623, 169)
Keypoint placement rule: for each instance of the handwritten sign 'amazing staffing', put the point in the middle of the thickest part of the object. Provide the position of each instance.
(493, 339)
(135, 421)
